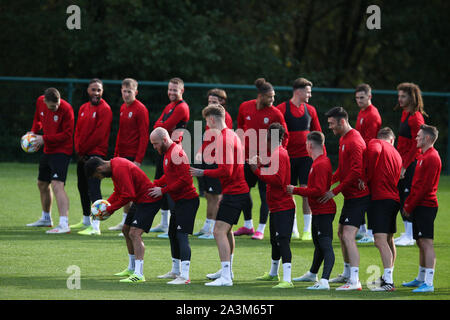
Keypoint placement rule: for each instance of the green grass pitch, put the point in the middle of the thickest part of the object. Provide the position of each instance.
(35, 265)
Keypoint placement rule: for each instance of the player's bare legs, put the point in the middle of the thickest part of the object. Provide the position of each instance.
(46, 195)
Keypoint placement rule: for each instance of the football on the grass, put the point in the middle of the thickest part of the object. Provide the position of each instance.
(98, 210)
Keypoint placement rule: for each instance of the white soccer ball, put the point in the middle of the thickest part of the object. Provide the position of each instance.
(28, 143)
(98, 210)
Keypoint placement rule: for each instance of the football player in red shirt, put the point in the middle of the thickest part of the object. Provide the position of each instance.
(421, 206)
(54, 116)
(91, 139)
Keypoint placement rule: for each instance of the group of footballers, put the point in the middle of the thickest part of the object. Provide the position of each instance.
(280, 148)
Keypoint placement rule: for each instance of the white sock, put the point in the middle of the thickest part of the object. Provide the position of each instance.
(226, 270)
(387, 276)
(131, 261)
(408, 230)
(165, 214)
(354, 274)
(362, 229)
(46, 215)
(248, 223)
(207, 224)
(346, 272)
(176, 266)
(274, 267)
(124, 216)
(95, 224)
(139, 267)
(212, 224)
(231, 262)
(369, 233)
(86, 220)
(307, 222)
(429, 275)
(185, 269)
(421, 275)
(261, 227)
(64, 221)
(295, 228)
(287, 271)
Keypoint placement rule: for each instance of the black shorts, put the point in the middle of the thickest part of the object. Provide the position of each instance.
(182, 217)
(300, 168)
(231, 205)
(404, 185)
(353, 211)
(423, 222)
(210, 185)
(322, 225)
(141, 215)
(382, 215)
(53, 167)
(281, 223)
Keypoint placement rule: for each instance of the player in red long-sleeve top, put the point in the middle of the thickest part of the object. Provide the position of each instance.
(54, 116)
(91, 139)
(350, 174)
(229, 157)
(174, 119)
(411, 103)
(281, 204)
(368, 123)
(301, 118)
(254, 118)
(132, 136)
(178, 183)
(131, 184)
(319, 182)
(383, 164)
(422, 206)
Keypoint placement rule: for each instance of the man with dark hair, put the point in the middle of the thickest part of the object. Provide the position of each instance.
(301, 118)
(350, 173)
(254, 118)
(421, 206)
(174, 116)
(54, 116)
(383, 164)
(91, 139)
(131, 185)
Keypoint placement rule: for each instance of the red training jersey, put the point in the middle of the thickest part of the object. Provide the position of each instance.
(319, 182)
(368, 123)
(407, 144)
(230, 162)
(133, 134)
(383, 164)
(130, 184)
(277, 197)
(350, 168)
(177, 180)
(207, 141)
(425, 182)
(57, 126)
(174, 116)
(93, 128)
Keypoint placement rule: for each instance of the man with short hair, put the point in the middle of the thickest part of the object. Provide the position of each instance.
(132, 136)
(177, 182)
(91, 139)
(421, 206)
(301, 118)
(54, 116)
(350, 173)
(174, 116)
(131, 185)
(368, 123)
(383, 164)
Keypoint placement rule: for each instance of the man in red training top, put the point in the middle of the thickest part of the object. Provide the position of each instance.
(91, 139)
(281, 205)
(132, 137)
(254, 118)
(229, 156)
(319, 182)
(368, 123)
(174, 116)
(383, 164)
(301, 118)
(411, 102)
(350, 173)
(177, 182)
(54, 116)
(421, 206)
(131, 184)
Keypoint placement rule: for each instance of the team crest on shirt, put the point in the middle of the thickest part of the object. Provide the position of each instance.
(55, 118)
(130, 114)
(94, 114)
(248, 118)
(82, 114)
(42, 113)
(266, 120)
